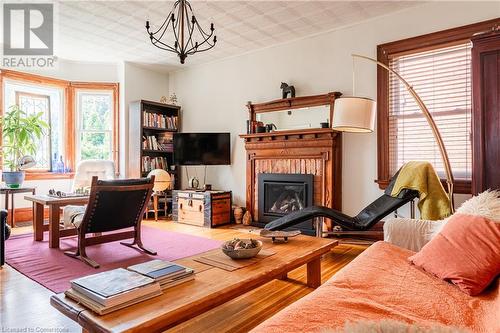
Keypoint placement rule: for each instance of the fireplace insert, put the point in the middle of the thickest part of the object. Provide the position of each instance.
(281, 194)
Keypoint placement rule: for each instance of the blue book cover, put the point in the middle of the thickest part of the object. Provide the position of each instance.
(167, 271)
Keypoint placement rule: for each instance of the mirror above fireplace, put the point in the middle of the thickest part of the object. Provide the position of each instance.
(293, 119)
(292, 114)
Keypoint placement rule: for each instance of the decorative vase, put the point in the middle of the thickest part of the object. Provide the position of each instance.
(247, 218)
(238, 215)
(13, 179)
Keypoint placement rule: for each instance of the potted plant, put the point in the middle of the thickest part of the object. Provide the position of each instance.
(20, 133)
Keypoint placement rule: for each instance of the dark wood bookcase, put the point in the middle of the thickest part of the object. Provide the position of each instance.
(150, 124)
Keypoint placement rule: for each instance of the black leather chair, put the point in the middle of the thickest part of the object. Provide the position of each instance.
(4, 235)
(113, 205)
(366, 219)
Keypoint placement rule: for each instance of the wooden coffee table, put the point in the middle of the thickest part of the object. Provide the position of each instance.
(55, 205)
(211, 287)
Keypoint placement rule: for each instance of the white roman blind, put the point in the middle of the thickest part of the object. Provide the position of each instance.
(442, 78)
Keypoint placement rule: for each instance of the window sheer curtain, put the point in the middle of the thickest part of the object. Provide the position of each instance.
(442, 78)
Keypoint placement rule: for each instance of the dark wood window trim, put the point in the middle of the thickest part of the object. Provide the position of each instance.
(69, 89)
(410, 45)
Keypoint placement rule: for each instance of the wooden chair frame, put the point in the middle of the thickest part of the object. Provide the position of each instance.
(98, 238)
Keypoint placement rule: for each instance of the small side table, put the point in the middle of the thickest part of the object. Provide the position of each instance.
(11, 191)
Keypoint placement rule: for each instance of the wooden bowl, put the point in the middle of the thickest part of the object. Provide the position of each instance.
(242, 253)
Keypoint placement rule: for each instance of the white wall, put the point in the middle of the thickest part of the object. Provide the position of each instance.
(81, 71)
(213, 96)
(137, 83)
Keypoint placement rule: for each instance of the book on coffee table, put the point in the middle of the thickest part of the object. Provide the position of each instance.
(166, 273)
(115, 287)
(102, 309)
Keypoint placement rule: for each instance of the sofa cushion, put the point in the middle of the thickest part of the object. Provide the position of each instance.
(381, 284)
(466, 253)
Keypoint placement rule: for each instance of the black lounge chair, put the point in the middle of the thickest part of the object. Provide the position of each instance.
(365, 220)
(114, 205)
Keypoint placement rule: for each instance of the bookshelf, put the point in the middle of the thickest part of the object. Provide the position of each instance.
(151, 129)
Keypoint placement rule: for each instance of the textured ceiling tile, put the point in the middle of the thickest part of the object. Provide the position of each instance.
(114, 30)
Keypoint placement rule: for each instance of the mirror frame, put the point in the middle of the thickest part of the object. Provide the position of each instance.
(293, 103)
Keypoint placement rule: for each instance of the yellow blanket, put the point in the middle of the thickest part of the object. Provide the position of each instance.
(433, 203)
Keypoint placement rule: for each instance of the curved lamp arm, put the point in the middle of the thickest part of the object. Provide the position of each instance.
(432, 124)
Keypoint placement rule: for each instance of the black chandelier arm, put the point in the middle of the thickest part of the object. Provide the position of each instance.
(162, 25)
(167, 47)
(190, 40)
(199, 51)
(174, 29)
(191, 27)
(206, 40)
(163, 33)
(203, 33)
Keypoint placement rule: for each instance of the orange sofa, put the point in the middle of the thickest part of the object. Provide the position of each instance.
(381, 284)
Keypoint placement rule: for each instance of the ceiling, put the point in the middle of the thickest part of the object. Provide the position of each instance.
(109, 31)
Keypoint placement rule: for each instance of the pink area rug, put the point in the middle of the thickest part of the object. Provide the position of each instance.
(54, 270)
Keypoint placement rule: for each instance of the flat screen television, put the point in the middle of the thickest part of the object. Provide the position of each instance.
(202, 149)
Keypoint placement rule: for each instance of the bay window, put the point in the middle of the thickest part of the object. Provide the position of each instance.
(83, 120)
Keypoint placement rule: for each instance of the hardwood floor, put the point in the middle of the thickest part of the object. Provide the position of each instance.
(25, 304)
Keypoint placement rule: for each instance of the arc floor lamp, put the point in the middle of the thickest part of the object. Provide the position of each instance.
(357, 114)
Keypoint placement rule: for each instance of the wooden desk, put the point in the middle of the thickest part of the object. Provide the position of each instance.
(211, 287)
(11, 191)
(54, 204)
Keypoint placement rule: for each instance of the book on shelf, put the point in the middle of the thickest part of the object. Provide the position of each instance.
(150, 163)
(160, 143)
(161, 121)
(118, 288)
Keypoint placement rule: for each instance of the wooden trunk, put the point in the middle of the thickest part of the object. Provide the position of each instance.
(205, 209)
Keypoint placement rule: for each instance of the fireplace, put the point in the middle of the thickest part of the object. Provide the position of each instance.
(281, 194)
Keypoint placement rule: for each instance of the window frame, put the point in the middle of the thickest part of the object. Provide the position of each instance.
(18, 97)
(386, 51)
(70, 113)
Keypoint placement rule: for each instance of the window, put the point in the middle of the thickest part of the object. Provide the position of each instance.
(442, 78)
(83, 119)
(95, 125)
(438, 66)
(49, 102)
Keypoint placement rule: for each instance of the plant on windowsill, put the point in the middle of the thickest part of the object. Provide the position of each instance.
(20, 134)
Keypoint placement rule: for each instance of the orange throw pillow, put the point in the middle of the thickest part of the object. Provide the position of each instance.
(466, 253)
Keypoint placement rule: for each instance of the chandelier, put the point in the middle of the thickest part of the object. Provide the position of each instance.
(184, 32)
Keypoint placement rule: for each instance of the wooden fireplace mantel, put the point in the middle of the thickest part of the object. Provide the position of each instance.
(316, 151)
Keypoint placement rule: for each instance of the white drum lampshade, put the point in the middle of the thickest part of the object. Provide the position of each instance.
(354, 114)
(163, 181)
